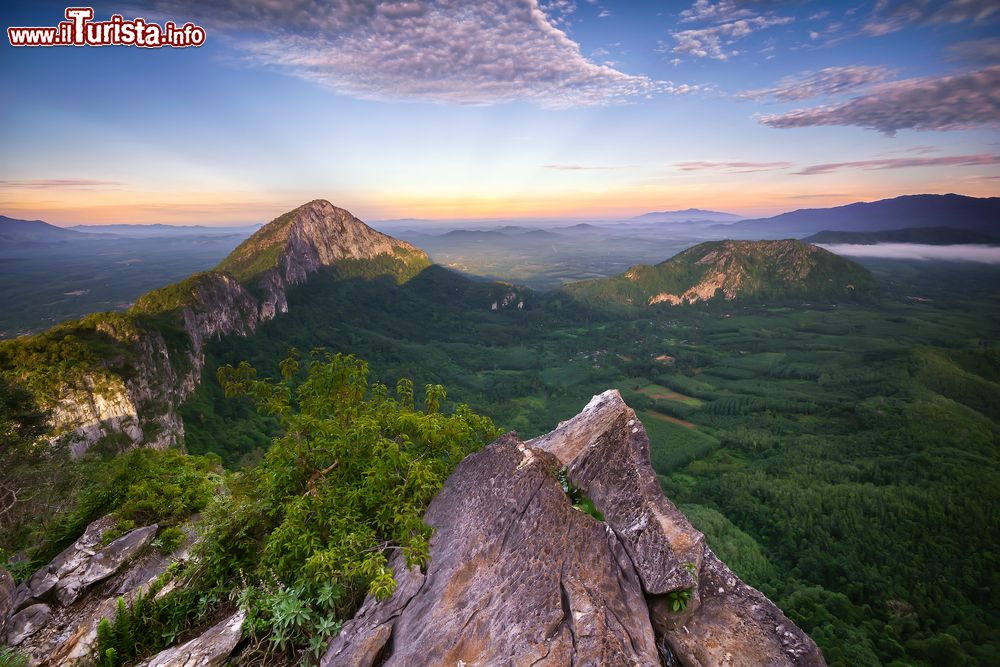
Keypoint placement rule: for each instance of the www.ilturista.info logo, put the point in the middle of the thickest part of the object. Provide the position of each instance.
(79, 29)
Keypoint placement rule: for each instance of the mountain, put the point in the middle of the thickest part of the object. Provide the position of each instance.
(951, 210)
(687, 215)
(317, 234)
(127, 373)
(14, 231)
(159, 230)
(924, 235)
(731, 270)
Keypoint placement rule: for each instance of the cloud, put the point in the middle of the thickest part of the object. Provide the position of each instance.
(722, 10)
(903, 163)
(827, 81)
(733, 167)
(575, 167)
(58, 184)
(953, 102)
(948, 253)
(474, 53)
(714, 41)
(985, 51)
(892, 15)
(732, 20)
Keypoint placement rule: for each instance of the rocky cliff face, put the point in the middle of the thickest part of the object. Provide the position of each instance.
(137, 390)
(139, 399)
(519, 576)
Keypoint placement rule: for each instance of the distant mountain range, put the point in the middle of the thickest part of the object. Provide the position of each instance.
(923, 235)
(145, 231)
(911, 211)
(34, 231)
(687, 215)
(30, 232)
(732, 270)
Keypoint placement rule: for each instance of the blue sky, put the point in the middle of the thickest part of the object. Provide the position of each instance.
(496, 109)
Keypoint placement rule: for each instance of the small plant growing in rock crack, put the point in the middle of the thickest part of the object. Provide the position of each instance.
(678, 599)
(576, 497)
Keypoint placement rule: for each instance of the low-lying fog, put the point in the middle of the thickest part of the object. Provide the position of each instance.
(987, 254)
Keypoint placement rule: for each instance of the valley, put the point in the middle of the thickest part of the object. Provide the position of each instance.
(813, 434)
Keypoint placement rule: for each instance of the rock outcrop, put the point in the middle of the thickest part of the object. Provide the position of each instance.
(53, 616)
(519, 576)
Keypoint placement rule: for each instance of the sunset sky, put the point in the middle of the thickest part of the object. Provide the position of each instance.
(502, 109)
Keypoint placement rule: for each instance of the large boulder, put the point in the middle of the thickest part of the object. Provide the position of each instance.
(519, 576)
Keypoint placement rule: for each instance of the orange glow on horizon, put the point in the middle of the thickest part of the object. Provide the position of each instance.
(82, 206)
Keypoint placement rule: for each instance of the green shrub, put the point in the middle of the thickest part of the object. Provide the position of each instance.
(299, 539)
(169, 539)
(143, 486)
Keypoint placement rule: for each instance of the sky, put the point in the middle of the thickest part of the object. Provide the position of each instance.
(452, 109)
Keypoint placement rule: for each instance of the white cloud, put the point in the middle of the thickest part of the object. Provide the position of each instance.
(727, 21)
(827, 81)
(453, 51)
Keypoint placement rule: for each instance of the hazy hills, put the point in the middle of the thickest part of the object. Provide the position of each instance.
(14, 231)
(687, 215)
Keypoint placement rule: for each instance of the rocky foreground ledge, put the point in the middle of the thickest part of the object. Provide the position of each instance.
(518, 576)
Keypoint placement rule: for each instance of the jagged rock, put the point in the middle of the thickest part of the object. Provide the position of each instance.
(70, 635)
(27, 622)
(517, 576)
(606, 453)
(210, 649)
(731, 624)
(43, 583)
(103, 564)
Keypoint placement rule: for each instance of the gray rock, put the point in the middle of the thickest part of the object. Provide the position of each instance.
(103, 564)
(79, 646)
(210, 649)
(42, 586)
(517, 576)
(606, 452)
(27, 622)
(731, 624)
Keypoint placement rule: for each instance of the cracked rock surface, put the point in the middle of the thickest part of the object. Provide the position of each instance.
(519, 577)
